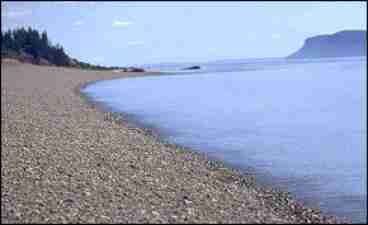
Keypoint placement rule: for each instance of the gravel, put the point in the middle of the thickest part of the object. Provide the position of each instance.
(64, 160)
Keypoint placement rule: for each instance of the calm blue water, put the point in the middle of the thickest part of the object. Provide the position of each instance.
(300, 125)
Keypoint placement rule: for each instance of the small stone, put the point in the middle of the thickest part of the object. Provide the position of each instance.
(187, 202)
(190, 211)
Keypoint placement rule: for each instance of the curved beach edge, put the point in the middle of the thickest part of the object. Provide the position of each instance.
(66, 158)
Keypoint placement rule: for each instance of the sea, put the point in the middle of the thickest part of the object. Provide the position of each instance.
(298, 124)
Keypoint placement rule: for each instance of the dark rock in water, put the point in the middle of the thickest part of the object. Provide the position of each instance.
(340, 44)
(134, 69)
(192, 68)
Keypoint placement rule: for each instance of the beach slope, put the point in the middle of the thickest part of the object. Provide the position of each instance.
(63, 160)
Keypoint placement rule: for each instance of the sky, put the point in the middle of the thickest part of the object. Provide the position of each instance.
(136, 33)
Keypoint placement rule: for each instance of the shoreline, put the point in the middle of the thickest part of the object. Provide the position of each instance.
(251, 174)
(268, 184)
(163, 182)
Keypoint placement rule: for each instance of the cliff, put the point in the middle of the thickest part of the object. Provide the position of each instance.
(340, 44)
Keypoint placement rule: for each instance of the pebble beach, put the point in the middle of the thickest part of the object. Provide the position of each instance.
(66, 160)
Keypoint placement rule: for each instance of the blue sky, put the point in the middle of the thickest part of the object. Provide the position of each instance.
(129, 33)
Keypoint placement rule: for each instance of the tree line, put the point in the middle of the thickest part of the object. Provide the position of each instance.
(34, 47)
(29, 43)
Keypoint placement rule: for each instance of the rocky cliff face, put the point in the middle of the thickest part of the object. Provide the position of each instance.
(341, 44)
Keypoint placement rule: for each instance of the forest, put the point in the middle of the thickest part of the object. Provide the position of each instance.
(31, 46)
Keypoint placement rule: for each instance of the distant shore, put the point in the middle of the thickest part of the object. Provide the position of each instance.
(65, 160)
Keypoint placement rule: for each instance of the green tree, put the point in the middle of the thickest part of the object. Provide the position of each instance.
(19, 37)
(14, 42)
(7, 41)
(44, 44)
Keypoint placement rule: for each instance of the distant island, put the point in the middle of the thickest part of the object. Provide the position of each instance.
(341, 44)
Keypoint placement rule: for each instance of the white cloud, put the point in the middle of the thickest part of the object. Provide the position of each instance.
(276, 36)
(18, 13)
(91, 3)
(98, 59)
(276, 21)
(135, 43)
(251, 36)
(308, 14)
(119, 23)
(78, 23)
(3, 5)
(213, 50)
(70, 4)
(75, 4)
